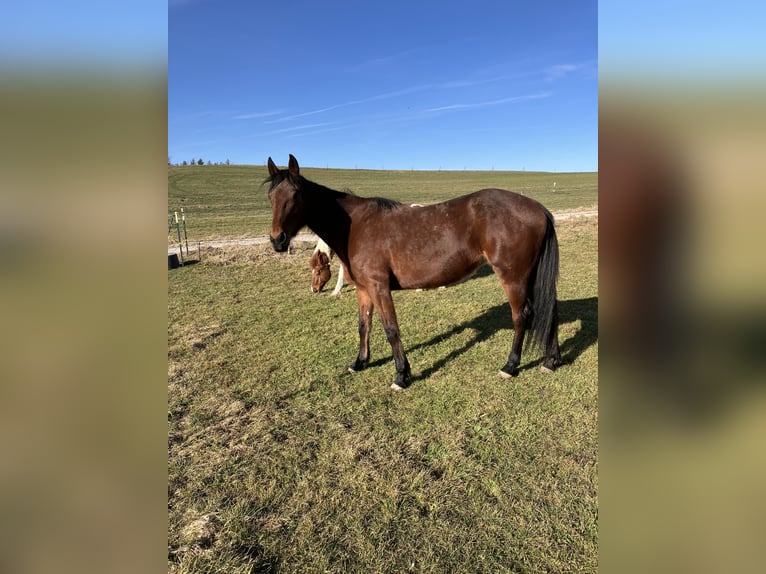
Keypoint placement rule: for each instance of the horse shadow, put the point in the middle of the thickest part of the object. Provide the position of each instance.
(484, 271)
(498, 318)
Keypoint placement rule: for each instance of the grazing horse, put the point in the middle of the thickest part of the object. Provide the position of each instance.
(320, 269)
(384, 246)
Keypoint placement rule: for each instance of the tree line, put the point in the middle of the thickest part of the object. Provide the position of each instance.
(200, 161)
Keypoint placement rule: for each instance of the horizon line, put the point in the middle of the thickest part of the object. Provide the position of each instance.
(327, 168)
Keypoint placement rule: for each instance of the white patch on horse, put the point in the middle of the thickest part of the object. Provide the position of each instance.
(322, 247)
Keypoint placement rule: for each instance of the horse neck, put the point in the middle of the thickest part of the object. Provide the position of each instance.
(327, 215)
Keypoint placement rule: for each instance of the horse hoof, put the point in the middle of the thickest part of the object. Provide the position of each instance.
(356, 367)
(507, 373)
(402, 380)
(544, 369)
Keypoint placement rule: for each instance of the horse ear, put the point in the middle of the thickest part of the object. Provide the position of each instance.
(292, 166)
(323, 258)
(273, 170)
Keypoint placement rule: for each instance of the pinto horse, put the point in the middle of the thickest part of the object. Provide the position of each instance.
(320, 269)
(385, 245)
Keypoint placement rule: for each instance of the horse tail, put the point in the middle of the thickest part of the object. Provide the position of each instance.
(543, 327)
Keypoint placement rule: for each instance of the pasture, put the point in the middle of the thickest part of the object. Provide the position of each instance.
(279, 460)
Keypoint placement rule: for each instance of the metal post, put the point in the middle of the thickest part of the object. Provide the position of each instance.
(178, 229)
(186, 239)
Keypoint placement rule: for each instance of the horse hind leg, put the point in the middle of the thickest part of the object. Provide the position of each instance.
(552, 352)
(520, 311)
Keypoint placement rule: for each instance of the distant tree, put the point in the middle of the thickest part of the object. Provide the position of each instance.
(193, 162)
(184, 163)
(200, 162)
(209, 162)
(169, 162)
(228, 162)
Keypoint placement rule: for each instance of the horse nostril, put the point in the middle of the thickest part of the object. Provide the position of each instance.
(280, 242)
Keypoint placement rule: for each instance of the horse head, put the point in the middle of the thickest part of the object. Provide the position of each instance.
(287, 205)
(320, 271)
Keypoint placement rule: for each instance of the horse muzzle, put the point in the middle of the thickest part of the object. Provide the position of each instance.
(280, 243)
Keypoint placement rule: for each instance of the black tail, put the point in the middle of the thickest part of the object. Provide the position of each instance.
(543, 328)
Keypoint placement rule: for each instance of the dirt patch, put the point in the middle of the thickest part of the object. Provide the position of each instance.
(237, 254)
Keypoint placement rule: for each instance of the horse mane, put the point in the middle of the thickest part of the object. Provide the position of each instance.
(385, 203)
(277, 177)
(382, 202)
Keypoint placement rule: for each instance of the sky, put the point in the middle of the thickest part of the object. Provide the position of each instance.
(682, 40)
(424, 85)
(83, 33)
(454, 85)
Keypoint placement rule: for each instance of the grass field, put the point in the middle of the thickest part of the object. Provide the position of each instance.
(281, 461)
(229, 201)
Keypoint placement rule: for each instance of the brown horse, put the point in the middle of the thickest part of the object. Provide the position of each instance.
(386, 246)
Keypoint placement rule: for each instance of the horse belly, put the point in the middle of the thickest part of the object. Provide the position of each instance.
(432, 270)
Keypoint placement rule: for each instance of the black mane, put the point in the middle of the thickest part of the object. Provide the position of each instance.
(283, 174)
(385, 203)
(278, 177)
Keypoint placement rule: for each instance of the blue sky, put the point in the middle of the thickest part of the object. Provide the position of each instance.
(476, 84)
(393, 85)
(682, 40)
(83, 33)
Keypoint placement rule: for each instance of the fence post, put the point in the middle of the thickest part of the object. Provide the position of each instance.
(186, 239)
(178, 229)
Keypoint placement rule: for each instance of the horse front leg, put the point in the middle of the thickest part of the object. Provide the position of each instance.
(365, 305)
(385, 306)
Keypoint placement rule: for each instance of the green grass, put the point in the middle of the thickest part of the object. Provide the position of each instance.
(281, 461)
(229, 201)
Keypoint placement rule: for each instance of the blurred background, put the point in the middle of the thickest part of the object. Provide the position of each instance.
(682, 138)
(83, 287)
(682, 141)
